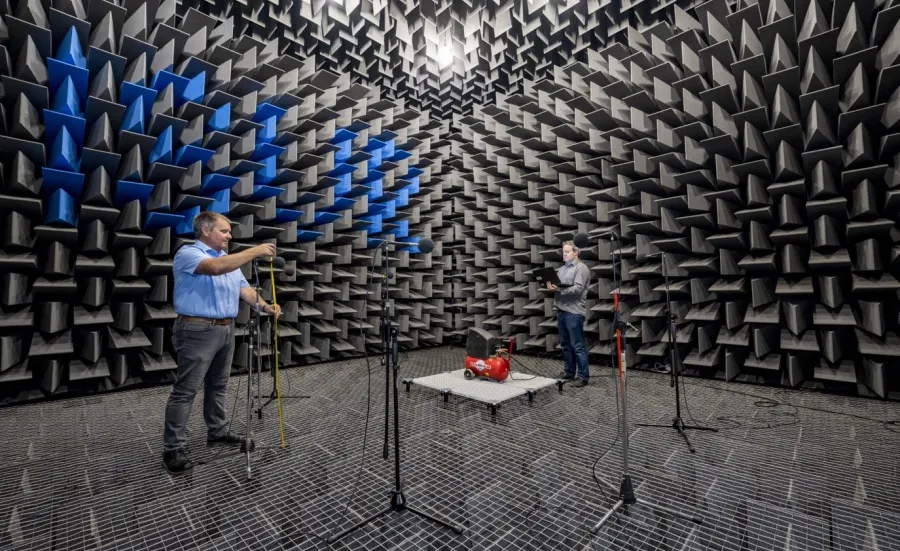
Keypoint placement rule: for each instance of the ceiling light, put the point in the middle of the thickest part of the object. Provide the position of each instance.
(445, 56)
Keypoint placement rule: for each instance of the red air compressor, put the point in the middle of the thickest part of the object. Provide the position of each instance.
(485, 356)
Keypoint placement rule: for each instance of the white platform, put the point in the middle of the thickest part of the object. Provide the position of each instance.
(492, 393)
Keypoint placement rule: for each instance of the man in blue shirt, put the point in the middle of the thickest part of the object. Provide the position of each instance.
(208, 287)
(571, 302)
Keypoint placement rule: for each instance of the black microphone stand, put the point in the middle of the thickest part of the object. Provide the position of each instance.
(626, 488)
(675, 364)
(273, 396)
(254, 356)
(390, 345)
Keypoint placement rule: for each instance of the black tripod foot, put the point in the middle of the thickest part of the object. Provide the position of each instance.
(627, 497)
(459, 529)
(686, 439)
(678, 425)
(398, 505)
(357, 526)
(708, 429)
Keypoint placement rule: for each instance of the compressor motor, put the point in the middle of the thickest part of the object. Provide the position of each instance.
(486, 358)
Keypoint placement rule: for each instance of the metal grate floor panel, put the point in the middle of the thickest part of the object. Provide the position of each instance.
(787, 469)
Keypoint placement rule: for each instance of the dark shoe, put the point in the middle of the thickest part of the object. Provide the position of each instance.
(177, 461)
(565, 377)
(580, 383)
(229, 439)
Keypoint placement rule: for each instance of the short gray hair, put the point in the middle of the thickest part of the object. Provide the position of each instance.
(571, 244)
(206, 220)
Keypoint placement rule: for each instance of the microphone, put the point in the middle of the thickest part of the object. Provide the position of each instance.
(425, 245)
(583, 240)
(277, 262)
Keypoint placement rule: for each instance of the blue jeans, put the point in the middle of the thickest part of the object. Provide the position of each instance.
(571, 340)
(204, 355)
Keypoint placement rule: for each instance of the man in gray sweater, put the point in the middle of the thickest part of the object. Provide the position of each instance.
(571, 302)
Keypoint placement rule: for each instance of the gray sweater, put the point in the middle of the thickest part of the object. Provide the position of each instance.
(573, 299)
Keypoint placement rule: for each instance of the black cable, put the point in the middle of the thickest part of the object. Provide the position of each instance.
(614, 342)
(600, 485)
(526, 368)
(362, 459)
(684, 393)
(765, 402)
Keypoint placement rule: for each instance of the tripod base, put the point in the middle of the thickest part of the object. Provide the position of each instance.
(627, 497)
(273, 397)
(678, 425)
(398, 505)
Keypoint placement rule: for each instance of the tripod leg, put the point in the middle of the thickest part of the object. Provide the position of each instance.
(612, 487)
(446, 524)
(709, 429)
(357, 526)
(671, 512)
(386, 344)
(247, 440)
(607, 516)
(686, 439)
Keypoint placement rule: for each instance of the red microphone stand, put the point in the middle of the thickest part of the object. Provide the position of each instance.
(626, 488)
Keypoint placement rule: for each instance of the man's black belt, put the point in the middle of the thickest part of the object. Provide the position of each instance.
(212, 321)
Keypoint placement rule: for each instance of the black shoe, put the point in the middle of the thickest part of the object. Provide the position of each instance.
(177, 461)
(229, 439)
(580, 383)
(565, 377)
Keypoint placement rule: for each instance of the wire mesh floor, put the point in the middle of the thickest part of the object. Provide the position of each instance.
(86, 473)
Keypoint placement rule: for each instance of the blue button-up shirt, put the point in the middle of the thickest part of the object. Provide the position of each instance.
(205, 296)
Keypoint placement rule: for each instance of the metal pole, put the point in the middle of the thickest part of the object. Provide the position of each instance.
(386, 346)
(673, 357)
(626, 488)
(250, 356)
(675, 367)
(258, 291)
(399, 501)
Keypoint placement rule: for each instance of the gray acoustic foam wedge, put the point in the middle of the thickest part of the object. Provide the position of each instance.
(748, 143)
(121, 123)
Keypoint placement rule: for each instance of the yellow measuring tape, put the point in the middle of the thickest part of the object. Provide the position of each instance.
(277, 376)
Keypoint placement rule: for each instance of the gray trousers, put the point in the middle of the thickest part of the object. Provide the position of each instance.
(204, 354)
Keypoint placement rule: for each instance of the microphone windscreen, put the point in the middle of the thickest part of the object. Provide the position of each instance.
(278, 262)
(581, 240)
(426, 245)
(289, 271)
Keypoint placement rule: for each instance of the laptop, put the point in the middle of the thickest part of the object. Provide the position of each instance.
(548, 275)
